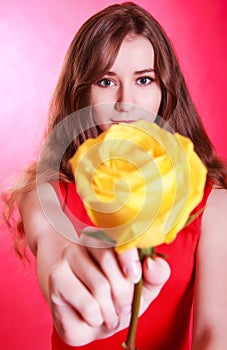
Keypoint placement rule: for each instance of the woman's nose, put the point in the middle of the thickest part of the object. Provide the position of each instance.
(125, 100)
(123, 106)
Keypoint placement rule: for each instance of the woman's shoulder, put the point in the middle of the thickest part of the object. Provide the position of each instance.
(215, 214)
(217, 200)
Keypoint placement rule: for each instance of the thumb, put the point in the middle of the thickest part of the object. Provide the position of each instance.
(156, 272)
(130, 264)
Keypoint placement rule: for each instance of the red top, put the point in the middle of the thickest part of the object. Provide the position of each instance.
(166, 323)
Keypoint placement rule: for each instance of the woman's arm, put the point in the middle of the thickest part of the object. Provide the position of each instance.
(88, 289)
(210, 320)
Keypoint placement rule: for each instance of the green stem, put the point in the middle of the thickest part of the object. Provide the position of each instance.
(130, 342)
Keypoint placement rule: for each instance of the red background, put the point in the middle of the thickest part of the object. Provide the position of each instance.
(34, 36)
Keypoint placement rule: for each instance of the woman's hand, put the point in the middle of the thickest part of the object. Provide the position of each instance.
(155, 273)
(91, 289)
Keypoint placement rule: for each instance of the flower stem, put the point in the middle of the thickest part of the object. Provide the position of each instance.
(130, 342)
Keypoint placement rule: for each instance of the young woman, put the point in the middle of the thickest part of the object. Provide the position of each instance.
(121, 63)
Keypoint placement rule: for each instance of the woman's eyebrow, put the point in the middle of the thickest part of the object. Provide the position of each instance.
(111, 73)
(143, 71)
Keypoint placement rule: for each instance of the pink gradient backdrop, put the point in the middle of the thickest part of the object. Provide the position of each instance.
(34, 36)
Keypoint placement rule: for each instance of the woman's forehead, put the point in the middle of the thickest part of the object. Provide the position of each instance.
(137, 51)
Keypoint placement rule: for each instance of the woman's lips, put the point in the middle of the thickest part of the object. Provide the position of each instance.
(124, 121)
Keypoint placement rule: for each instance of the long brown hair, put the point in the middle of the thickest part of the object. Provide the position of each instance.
(90, 55)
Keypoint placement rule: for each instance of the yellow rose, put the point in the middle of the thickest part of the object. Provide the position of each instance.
(139, 183)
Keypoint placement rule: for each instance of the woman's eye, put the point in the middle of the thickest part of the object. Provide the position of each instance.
(144, 80)
(105, 82)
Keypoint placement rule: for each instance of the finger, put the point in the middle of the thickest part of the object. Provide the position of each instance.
(67, 292)
(121, 287)
(156, 272)
(73, 330)
(90, 275)
(130, 264)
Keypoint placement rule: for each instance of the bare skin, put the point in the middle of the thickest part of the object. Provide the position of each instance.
(64, 277)
(210, 322)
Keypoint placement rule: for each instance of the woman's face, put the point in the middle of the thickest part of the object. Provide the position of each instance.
(130, 90)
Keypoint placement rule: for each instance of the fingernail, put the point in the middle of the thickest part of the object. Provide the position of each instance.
(150, 264)
(114, 325)
(125, 309)
(133, 271)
